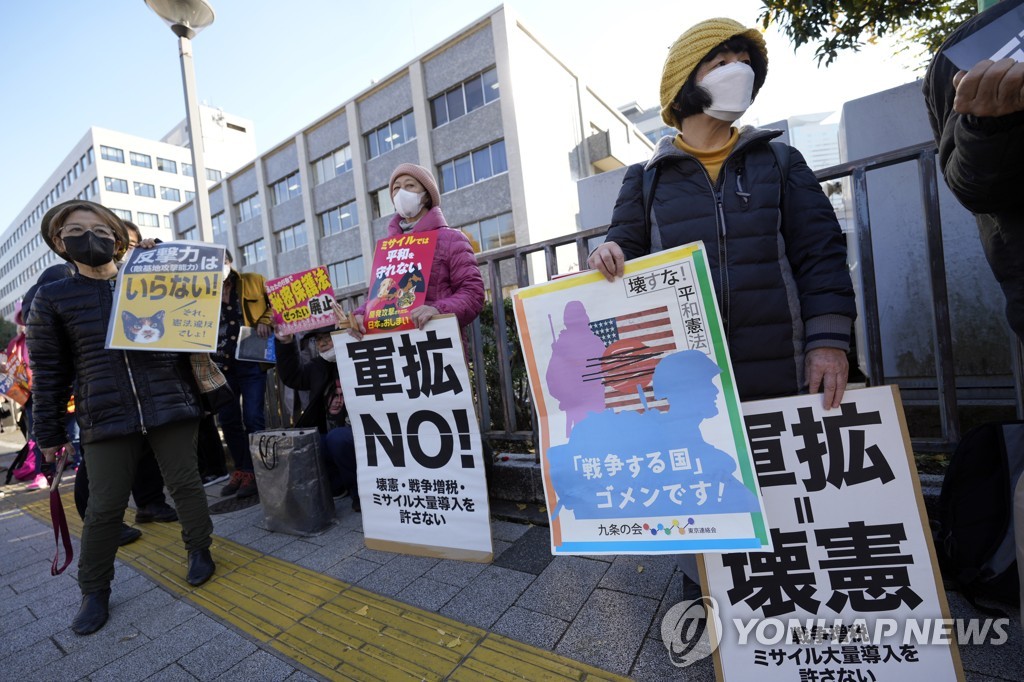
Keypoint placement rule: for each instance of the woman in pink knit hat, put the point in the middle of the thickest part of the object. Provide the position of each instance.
(455, 285)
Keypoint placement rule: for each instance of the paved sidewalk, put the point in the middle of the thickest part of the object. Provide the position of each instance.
(325, 607)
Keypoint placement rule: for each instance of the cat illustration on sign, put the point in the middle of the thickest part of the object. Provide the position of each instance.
(143, 329)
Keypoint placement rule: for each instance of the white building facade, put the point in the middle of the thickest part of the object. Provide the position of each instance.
(505, 126)
(141, 180)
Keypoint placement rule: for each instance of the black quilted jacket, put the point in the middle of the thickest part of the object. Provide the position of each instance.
(780, 273)
(117, 392)
(981, 161)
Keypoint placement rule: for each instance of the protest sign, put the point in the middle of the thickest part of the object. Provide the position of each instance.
(401, 270)
(252, 348)
(1000, 39)
(167, 298)
(301, 301)
(851, 590)
(642, 447)
(14, 378)
(419, 459)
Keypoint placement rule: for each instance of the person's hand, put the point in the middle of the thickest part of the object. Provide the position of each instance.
(355, 326)
(420, 316)
(828, 369)
(50, 454)
(264, 330)
(341, 319)
(282, 337)
(608, 260)
(990, 88)
(147, 243)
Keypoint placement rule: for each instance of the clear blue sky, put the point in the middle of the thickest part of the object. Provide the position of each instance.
(71, 64)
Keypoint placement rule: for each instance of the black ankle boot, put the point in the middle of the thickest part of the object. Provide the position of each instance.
(93, 613)
(200, 567)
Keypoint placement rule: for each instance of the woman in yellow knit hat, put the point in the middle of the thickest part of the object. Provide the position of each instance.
(777, 254)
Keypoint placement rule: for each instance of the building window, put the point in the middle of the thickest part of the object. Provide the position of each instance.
(186, 169)
(491, 233)
(189, 196)
(332, 165)
(347, 272)
(148, 219)
(291, 238)
(288, 188)
(116, 185)
(166, 165)
(213, 175)
(111, 154)
(392, 134)
(143, 160)
(219, 225)
(380, 202)
(191, 233)
(122, 213)
(340, 218)
(254, 252)
(91, 156)
(248, 208)
(170, 194)
(144, 189)
(465, 97)
(474, 167)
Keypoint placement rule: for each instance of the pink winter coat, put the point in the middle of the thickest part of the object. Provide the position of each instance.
(455, 285)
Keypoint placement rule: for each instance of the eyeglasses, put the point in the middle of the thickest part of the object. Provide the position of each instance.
(75, 230)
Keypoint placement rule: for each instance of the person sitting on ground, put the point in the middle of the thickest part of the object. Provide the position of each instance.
(123, 399)
(326, 409)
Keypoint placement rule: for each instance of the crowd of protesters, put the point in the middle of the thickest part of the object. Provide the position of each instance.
(140, 424)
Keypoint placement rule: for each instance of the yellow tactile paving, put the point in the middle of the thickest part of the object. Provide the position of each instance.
(331, 627)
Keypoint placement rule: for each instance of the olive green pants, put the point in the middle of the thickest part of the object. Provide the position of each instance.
(112, 465)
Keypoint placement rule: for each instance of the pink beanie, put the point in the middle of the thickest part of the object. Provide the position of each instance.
(425, 178)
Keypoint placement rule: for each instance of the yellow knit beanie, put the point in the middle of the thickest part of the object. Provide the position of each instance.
(691, 47)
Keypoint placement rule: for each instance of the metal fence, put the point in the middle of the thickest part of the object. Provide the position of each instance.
(504, 406)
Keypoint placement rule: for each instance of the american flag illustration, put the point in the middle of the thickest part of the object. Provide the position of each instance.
(633, 345)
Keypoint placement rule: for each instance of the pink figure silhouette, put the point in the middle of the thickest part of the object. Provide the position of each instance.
(575, 353)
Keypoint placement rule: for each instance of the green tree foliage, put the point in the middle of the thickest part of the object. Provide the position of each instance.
(834, 25)
(8, 330)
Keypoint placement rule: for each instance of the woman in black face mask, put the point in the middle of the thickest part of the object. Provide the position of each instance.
(123, 399)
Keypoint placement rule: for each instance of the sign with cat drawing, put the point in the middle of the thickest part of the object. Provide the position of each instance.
(301, 301)
(401, 270)
(167, 298)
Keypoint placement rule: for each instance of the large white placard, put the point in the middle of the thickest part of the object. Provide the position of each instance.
(851, 591)
(419, 458)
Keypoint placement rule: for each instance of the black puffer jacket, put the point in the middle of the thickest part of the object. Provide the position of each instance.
(780, 275)
(981, 161)
(117, 392)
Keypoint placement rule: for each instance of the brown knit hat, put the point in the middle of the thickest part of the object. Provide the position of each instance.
(691, 47)
(120, 231)
(425, 178)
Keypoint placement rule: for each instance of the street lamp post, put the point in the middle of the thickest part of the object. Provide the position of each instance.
(187, 18)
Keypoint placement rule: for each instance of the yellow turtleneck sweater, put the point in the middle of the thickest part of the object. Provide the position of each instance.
(711, 159)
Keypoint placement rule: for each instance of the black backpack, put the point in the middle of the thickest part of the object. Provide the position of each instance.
(975, 540)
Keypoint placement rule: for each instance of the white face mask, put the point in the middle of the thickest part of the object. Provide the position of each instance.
(408, 203)
(328, 355)
(227, 270)
(732, 88)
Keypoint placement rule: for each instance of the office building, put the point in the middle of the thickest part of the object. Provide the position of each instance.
(506, 127)
(141, 180)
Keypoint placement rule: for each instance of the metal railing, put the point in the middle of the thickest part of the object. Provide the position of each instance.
(506, 413)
